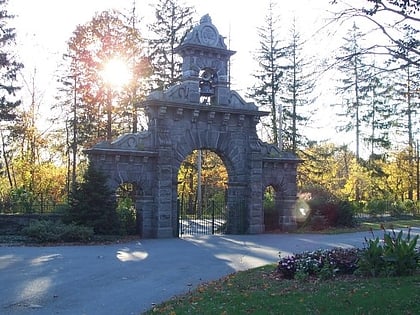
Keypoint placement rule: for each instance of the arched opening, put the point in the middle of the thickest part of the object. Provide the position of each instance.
(126, 194)
(202, 184)
(270, 207)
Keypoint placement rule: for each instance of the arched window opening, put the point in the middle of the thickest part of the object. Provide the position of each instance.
(271, 213)
(126, 208)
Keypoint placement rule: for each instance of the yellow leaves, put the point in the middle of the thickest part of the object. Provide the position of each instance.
(213, 173)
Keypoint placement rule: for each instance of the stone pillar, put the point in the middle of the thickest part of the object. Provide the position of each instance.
(237, 209)
(164, 209)
(145, 219)
(287, 220)
(256, 215)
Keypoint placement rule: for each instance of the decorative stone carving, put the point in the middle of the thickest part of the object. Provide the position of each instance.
(129, 141)
(205, 34)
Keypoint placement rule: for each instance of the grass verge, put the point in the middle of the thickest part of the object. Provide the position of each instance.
(258, 291)
(390, 223)
(367, 224)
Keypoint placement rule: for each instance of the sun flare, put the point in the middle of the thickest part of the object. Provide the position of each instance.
(116, 73)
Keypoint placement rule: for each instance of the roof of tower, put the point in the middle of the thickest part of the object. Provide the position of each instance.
(205, 34)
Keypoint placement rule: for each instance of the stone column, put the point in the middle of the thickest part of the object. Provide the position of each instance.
(145, 221)
(237, 208)
(164, 209)
(287, 219)
(256, 215)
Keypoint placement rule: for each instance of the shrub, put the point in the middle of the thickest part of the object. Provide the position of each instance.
(93, 204)
(400, 254)
(345, 214)
(395, 256)
(127, 216)
(47, 231)
(371, 262)
(377, 207)
(287, 267)
(397, 208)
(327, 210)
(343, 260)
(316, 221)
(22, 200)
(394, 208)
(406, 207)
(322, 263)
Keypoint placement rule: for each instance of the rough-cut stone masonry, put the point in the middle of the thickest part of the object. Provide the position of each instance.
(201, 112)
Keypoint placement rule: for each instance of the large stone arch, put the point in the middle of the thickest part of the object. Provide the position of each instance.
(201, 112)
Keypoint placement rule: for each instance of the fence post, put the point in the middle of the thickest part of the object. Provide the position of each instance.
(178, 211)
(212, 216)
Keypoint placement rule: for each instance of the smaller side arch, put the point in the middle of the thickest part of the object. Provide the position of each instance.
(138, 169)
(278, 175)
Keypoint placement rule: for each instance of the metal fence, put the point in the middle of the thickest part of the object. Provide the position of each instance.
(209, 219)
(30, 208)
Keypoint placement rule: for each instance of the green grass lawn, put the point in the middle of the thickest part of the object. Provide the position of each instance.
(258, 291)
(261, 291)
(390, 223)
(370, 223)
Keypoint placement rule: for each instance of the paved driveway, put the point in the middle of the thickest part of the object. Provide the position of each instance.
(124, 279)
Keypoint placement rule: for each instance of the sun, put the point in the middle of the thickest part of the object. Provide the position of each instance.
(116, 73)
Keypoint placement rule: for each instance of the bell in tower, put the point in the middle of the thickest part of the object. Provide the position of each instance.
(207, 85)
(205, 61)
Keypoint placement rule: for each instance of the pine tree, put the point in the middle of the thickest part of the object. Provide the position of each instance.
(298, 85)
(93, 204)
(379, 114)
(270, 57)
(173, 21)
(354, 88)
(9, 67)
(407, 101)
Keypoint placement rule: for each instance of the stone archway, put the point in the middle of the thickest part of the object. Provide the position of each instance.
(201, 112)
(202, 186)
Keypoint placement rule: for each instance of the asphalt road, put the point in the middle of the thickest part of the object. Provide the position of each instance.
(123, 279)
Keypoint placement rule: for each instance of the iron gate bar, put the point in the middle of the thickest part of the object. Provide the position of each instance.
(204, 221)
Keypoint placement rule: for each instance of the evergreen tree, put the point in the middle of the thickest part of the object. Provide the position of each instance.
(9, 101)
(270, 57)
(173, 21)
(93, 204)
(9, 67)
(354, 88)
(407, 102)
(298, 85)
(379, 113)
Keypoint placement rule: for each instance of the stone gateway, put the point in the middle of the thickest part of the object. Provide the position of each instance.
(201, 112)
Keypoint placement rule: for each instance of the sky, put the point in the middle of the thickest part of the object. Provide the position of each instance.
(44, 26)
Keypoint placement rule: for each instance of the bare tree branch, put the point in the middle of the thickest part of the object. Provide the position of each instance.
(403, 16)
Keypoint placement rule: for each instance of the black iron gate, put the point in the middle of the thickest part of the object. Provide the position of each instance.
(208, 219)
